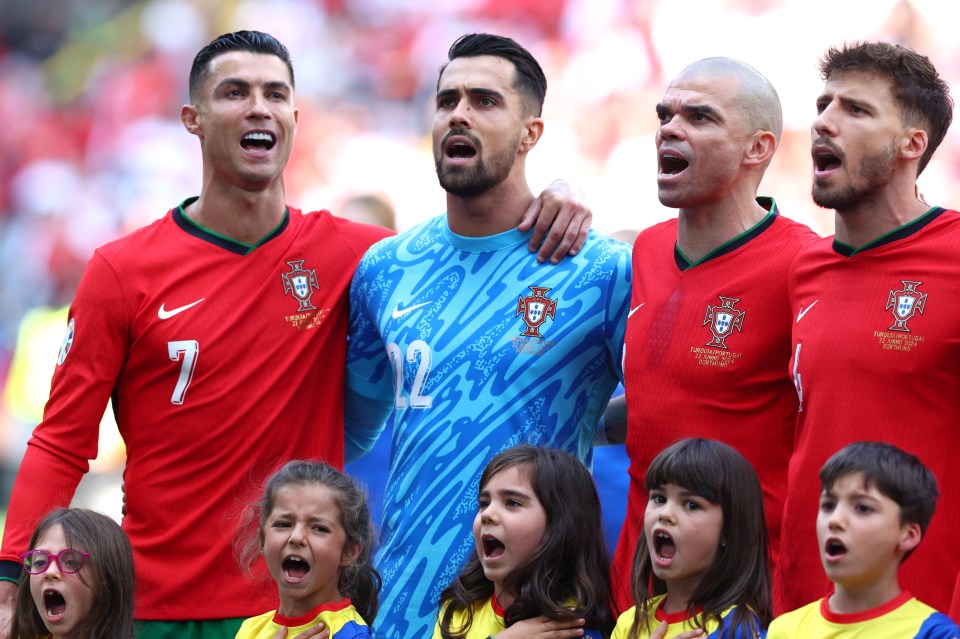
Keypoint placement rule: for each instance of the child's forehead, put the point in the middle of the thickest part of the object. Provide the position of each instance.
(519, 473)
(53, 538)
(856, 482)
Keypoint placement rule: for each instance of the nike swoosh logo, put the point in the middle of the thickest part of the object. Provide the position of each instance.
(398, 312)
(165, 314)
(804, 311)
(634, 310)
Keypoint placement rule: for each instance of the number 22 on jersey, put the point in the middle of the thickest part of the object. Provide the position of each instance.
(417, 353)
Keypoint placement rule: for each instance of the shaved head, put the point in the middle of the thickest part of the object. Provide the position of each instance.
(756, 98)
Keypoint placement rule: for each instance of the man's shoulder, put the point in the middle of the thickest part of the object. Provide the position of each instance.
(818, 246)
(353, 233)
(798, 231)
(424, 232)
(134, 243)
(597, 241)
(667, 229)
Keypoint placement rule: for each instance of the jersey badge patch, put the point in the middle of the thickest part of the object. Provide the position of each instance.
(723, 319)
(300, 283)
(905, 303)
(535, 310)
(67, 343)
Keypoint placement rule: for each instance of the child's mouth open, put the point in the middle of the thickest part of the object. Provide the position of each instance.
(493, 548)
(55, 604)
(664, 548)
(295, 568)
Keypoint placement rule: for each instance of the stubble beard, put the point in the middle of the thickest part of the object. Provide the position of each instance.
(876, 171)
(477, 179)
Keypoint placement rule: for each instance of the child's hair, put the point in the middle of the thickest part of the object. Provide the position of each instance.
(897, 474)
(740, 573)
(359, 581)
(108, 572)
(567, 576)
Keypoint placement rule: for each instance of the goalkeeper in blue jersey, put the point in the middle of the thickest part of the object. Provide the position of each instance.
(469, 341)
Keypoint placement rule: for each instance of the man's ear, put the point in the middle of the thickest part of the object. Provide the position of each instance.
(762, 146)
(532, 130)
(909, 537)
(190, 116)
(913, 144)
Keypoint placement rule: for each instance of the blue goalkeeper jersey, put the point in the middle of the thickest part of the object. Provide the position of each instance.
(475, 347)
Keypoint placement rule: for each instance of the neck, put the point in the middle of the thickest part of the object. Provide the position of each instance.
(874, 217)
(679, 595)
(702, 230)
(497, 210)
(503, 598)
(243, 216)
(848, 599)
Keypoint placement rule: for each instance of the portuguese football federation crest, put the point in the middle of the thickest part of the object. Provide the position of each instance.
(300, 283)
(905, 303)
(723, 320)
(535, 310)
(67, 343)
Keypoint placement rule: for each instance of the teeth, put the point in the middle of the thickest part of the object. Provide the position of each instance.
(264, 137)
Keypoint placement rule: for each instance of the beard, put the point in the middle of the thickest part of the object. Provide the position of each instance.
(471, 181)
(876, 171)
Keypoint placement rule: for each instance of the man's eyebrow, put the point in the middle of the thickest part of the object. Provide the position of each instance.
(476, 91)
(245, 84)
(686, 107)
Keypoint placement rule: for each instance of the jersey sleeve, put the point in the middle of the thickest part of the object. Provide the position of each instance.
(938, 626)
(59, 451)
(619, 307)
(352, 630)
(368, 391)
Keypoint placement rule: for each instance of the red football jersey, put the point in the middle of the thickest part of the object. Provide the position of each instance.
(223, 361)
(706, 347)
(876, 356)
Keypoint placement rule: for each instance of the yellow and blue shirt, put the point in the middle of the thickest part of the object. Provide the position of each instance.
(903, 617)
(340, 617)
(679, 622)
(489, 619)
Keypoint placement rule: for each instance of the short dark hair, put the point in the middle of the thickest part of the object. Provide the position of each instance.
(894, 472)
(108, 572)
(922, 95)
(530, 80)
(252, 41)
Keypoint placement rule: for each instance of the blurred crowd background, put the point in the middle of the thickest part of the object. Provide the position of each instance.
(90, 96)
